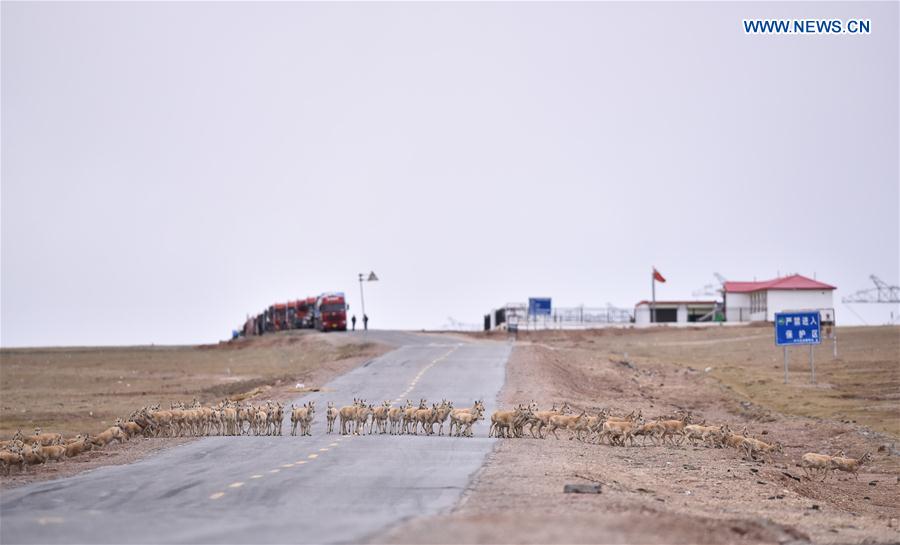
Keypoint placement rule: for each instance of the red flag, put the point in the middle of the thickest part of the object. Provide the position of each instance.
(658, 277)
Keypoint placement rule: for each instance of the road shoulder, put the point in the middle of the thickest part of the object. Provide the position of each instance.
(657, 494)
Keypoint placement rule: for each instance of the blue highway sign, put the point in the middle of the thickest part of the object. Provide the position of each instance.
(538, 306)
(797, 328)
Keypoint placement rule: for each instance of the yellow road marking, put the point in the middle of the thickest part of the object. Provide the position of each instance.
(236, 485)
(255, 476)
(323, 450)
(274, 470)
(333, 445)
(43, 521)
(216, 496)
(298, 462)
(313, 456)
(288, 465)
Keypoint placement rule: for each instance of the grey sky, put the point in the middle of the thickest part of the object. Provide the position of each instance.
(168, 168)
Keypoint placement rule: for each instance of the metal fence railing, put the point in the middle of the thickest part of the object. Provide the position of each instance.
(560, 317)
(592, 315)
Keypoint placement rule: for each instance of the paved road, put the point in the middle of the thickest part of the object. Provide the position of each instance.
(319, 489)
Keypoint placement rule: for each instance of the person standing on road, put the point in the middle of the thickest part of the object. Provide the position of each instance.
(353, 321)
(365, 322)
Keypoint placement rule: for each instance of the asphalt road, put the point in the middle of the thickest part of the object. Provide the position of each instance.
(319, 489)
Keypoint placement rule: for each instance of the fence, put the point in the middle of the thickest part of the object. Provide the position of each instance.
(580, 317)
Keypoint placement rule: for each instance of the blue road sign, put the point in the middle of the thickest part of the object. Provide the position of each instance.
(797, 328)
(538, 306)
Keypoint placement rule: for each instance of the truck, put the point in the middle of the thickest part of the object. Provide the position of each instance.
(330, 312)
(300, 313)
(278, 317)
(325, 312)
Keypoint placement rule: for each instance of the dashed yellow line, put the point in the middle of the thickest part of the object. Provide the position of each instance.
(422, 371)
(415, 380)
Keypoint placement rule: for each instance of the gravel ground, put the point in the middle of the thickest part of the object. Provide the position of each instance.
(662, 494)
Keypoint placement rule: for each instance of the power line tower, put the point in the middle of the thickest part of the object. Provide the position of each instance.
(711, 290)
(881, 293)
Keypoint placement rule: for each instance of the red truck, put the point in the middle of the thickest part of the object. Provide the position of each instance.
(300, 313)
(327, 312)
(330, 313)
(278, 316)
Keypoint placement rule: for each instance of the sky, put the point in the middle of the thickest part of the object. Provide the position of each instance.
(169, 168)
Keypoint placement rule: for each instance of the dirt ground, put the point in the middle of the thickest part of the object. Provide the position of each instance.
(84, 390)
(686, 494)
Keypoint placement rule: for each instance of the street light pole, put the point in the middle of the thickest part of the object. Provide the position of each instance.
(362, 299)
(370, 278)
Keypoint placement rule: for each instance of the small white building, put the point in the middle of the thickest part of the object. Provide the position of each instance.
(673, 312)
(759, 301)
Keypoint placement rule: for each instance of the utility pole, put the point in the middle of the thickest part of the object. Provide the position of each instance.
(370, 278)
(362, 296)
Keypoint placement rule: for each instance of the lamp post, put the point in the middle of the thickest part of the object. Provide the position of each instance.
(370, 278)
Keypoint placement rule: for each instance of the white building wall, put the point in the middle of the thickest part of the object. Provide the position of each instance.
(782, 300)
(735, 303)
(681, 314)
(642, 315)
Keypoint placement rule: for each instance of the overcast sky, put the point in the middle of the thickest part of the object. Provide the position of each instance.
(168, 168)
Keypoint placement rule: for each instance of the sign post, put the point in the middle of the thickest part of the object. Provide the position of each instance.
(798, 327)
(812, 364)
(785, 365)
(539, 306)
(826, 319)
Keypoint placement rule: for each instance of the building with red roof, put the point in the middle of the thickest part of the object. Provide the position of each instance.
(759, 301)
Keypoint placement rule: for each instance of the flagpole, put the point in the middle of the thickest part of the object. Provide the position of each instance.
(653, 305)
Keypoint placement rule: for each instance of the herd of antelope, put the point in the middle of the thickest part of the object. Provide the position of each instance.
(180, 420)
(360, 417)
(618, 430)
(387, 419)
(664, 430)
(26, 450)
(233, 418)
